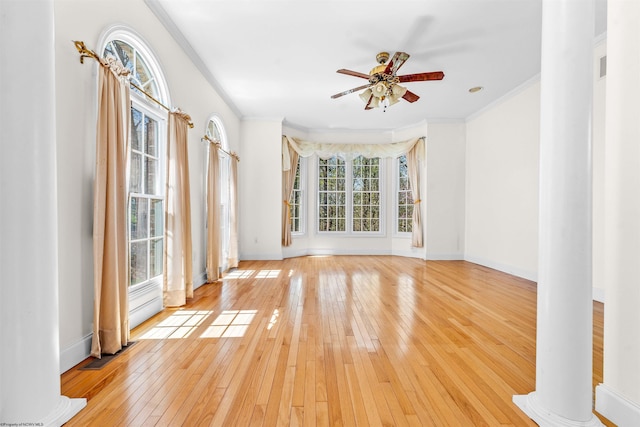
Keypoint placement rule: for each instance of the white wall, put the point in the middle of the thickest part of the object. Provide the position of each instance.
(502, 181)
(599, 96)
(618, 398)
(75, 135)
(501, 205)
(445, 200)
(260, 189)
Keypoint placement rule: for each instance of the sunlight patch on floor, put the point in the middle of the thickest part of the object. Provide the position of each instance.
(178, 325)
(268, 274)
(230, 324)
(239, 274)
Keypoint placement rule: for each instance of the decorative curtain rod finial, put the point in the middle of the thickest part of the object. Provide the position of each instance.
(84, 52)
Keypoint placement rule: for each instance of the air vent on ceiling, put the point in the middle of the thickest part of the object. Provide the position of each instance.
(603, 66)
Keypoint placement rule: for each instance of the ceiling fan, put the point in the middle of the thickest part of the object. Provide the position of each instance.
(383, 88)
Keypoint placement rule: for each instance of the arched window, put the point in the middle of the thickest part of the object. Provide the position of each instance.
(146, 171)
(215, 131)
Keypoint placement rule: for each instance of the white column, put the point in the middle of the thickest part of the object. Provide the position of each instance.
(618, 398)
(563, 395)
(29, 355)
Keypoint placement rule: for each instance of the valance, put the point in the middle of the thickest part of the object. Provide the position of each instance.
(346, 151)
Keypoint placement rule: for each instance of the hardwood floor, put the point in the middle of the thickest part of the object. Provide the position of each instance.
(330, 341)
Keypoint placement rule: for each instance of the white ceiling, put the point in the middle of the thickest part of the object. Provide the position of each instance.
(278, 59)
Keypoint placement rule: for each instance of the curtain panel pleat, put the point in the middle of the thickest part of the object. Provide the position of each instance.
(233, 214)
(178, 269)
(414, 162)
(110, 246)
(288, 179)
(213, 214)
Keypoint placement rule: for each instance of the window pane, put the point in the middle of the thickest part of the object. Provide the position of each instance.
(157, 218)
(153, 180)
(135, 173)
(124, 53)
(156, 255)
(138, 267)
(138, 218)
(151, 136)
(145, 77)
(136, 130)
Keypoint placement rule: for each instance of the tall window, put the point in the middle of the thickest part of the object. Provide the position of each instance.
(146, 199)
(349, 196)
(146, 166)
(215, 132)
(366, 194)
(295, 202)
(405, 199)
(332, 195)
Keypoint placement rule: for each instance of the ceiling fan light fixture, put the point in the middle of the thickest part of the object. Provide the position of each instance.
(380, 89)
(365, 95)
(398, 91)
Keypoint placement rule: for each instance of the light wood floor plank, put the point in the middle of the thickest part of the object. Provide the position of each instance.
(330, 341)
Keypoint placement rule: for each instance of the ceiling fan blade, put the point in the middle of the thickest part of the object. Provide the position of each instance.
(347, 92)
(368, 105)
(421, 77)
(353, 73)
(396, 62)
(410, 96)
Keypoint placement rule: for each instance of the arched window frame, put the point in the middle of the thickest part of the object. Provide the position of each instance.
(215, 122)
(145, 297)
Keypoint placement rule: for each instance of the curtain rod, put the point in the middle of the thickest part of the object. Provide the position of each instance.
(219, 146)
(86, 53)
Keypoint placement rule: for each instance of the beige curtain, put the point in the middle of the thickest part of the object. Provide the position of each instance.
(233, 212)
(288, 179)
(414, 161)
(110, 246)
(213, 214)
(178, 270)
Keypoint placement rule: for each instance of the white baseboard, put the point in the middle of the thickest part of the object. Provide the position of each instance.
(333, 251)
(598, 294)
(261, 257)
(509, 269)
(199, 280)
(76, 353)
(445, 257)
(616, 408)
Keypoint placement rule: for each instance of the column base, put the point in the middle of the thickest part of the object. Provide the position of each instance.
(544, 418)
(65, 410)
